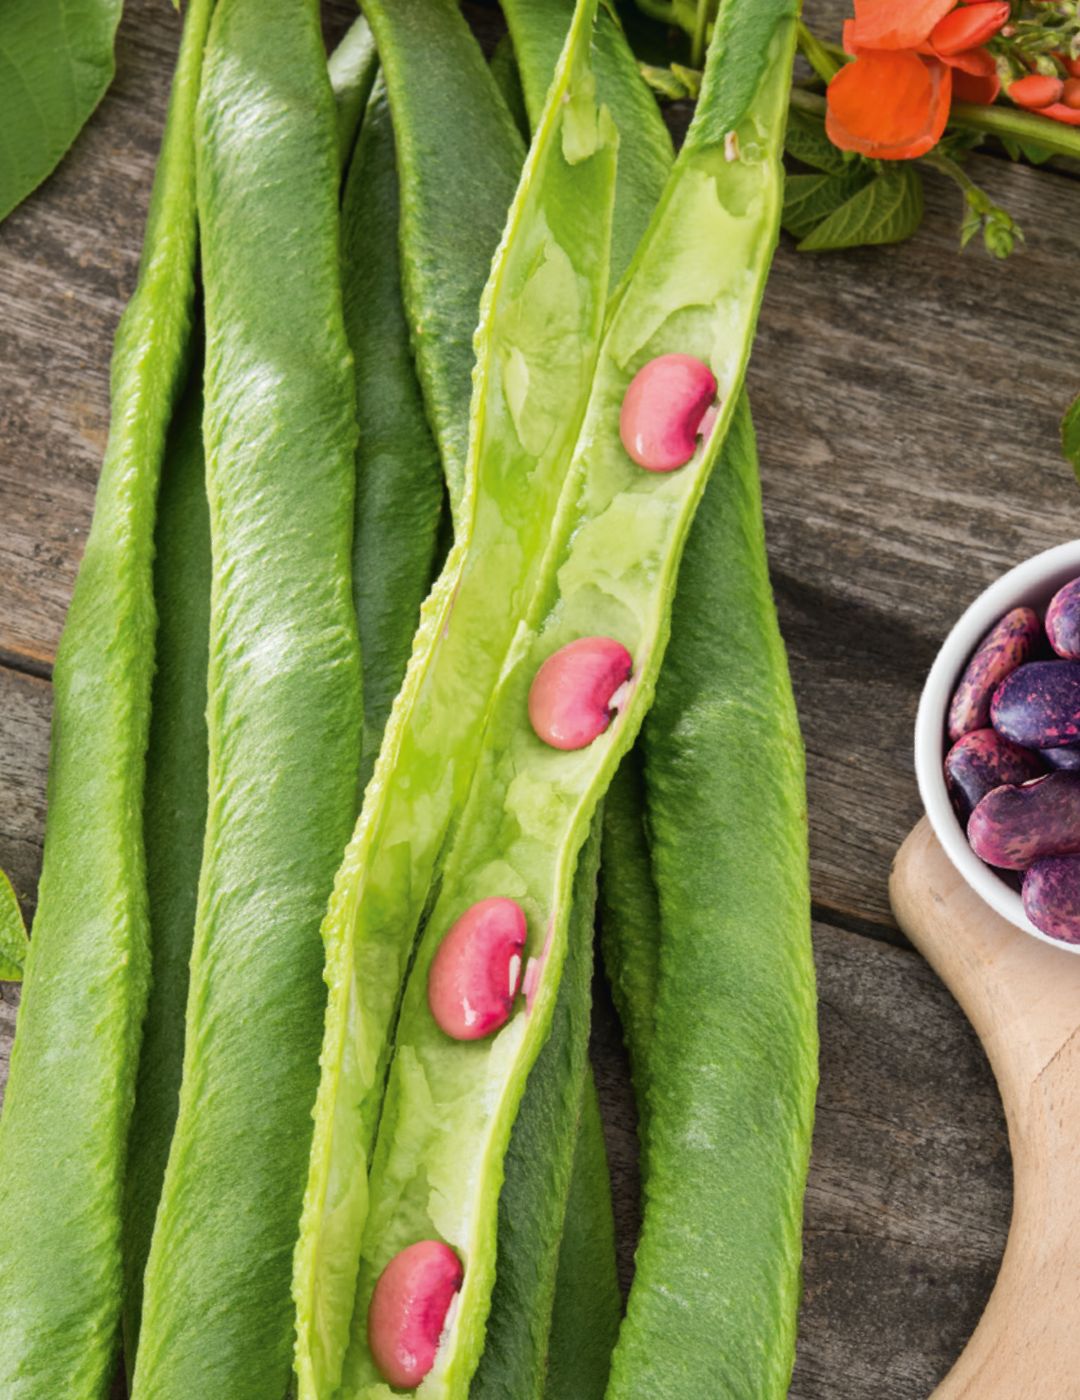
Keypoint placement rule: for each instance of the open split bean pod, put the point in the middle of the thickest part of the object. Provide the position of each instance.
(1005, 647)
(1014, 826)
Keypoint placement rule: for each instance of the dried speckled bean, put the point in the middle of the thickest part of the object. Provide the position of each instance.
(1038, 705)
(982, 761)
(1005, 647)
(1063, 621)
(1013, 826)
(1061, 758)
(1052, 897)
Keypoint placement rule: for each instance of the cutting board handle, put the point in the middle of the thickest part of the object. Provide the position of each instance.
(1023, 998)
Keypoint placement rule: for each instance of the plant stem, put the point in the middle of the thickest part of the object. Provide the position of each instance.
(820, 56)
(1024, 126)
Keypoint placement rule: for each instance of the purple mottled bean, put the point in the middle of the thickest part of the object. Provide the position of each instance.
(1012, 827)
(1038, 705)
(1061, 758)
(1063, 621)
(982, 761)
(1052, 897)
(1002, 650)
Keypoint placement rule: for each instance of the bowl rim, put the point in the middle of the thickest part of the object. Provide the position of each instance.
(1031, 583)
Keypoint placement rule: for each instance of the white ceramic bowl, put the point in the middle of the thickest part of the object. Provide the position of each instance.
(1034, 583)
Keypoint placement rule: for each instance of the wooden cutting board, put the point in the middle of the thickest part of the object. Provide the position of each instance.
(1023, 998)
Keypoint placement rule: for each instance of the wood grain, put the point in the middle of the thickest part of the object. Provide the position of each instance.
(907, 402)
(1023, 998)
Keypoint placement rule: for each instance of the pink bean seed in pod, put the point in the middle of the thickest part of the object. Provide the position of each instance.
(662, 411)
(408, 1310)
(476, 972)
(1063, 621)
(1005, 647)
(1052, 897)
(574, 693)
(1012, 827)
(982, 761)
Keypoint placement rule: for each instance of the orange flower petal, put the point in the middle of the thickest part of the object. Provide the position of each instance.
(970, 87)
(896, 24)
(1061, 112)
(978, 62)
(891, 106)
(968, 27)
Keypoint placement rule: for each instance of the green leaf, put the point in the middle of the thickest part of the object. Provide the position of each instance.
(806, 142)
(810, 199)
(1070, 435)
(56, 60)
(13, 939)
(887, 210)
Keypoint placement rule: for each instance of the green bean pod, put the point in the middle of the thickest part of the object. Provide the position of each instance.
(352, 68)
(540, 326)
(14, 943)
(585, 1316)
(174, 823)
(694, 286)
(458, 175)
(63, 1135)
(628, 908)
(540, 1164)
(283, 713)
(732, 1065)
(399, 490)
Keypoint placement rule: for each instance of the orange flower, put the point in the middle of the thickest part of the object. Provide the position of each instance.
(892, 102)
(889, 105)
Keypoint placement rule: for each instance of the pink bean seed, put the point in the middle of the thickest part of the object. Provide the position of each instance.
(476, 973)
(408, 1310)
(570, 702)
(663, 409)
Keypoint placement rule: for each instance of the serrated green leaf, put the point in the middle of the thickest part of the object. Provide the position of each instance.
(57, 61)
(1070, 435)
(13, 939)
(809, 199)
(806, 142)
(887, 210)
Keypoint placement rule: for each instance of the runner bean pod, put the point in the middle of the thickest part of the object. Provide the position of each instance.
(280, 435)
(174, 824)
(13, 941)
(442, 293)
(611, 561)
(553, 256)
(63, 1134)
(731, 1054)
